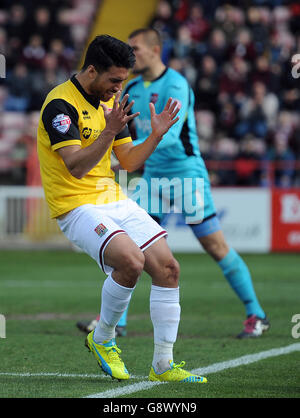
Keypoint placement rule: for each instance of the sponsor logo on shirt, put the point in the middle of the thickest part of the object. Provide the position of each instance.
(86, 132)
(86, 115)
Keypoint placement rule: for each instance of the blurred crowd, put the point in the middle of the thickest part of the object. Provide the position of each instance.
(41, 41)
(236, 55)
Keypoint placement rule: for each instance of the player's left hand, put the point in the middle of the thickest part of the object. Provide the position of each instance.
(163, 121)
(117, 117)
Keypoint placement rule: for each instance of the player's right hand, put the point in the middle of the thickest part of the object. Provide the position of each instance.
(117, 117)
(163, 121)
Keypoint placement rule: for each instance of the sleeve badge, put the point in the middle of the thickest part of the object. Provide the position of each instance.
(61, 123)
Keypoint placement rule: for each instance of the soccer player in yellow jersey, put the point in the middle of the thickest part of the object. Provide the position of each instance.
(82, 121)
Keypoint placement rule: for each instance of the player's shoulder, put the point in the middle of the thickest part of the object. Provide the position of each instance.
(176, 79)
(63, 89)
(60, 101)
(62, 92)
(132, 83)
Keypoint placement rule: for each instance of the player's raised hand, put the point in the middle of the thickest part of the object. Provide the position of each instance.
(117, 117)
(163, 121)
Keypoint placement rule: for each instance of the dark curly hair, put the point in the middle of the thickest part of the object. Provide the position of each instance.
(106, 51)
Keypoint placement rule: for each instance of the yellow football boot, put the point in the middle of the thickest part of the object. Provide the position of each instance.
(107, 355)
(176, 374)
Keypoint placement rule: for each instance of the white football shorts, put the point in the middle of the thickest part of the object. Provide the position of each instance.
(91, 227)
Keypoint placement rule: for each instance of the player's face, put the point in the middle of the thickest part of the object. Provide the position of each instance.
(143, 52)
(105, 85)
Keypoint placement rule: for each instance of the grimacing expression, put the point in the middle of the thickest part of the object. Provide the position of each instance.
(106, 84)
(143, 52)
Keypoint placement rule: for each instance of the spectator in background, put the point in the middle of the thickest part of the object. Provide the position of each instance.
(49, 76)
(19, 86)
(164, 22)
(234, 78)
(243, 46)
(13, 52)
(34, 53)
(229, 19)
(181, 11)
(65, 55)
(227, 118)
(16, 26)
(207, 85)
(217, 46)
(275, 59)
(259, 30)
(248, 164)
(258, 112)
(223, 152)
(261, 71)
(62, 28)
(284, 162)
(197, 25)
(285, 126)
(183, 45)
(295, 17)
(42, 24)
(277, 52)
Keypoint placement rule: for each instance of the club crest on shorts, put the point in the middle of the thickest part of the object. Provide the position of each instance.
(62, 123)
(101, 230)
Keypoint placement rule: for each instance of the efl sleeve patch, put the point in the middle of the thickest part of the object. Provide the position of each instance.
(61, 123)
(60, 120)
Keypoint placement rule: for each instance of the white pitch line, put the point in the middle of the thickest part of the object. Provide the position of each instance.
(248, 359)
(213, 368)
(145, 385)
(84, 376)
(28, 374)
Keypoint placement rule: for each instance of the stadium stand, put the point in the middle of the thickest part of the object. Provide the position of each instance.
(235, 54)
(42, 43)
(237, 57)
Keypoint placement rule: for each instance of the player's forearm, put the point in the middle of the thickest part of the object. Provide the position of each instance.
(140, 153)
(84, 160)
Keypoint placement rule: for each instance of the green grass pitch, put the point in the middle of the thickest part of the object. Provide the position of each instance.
(44, 293)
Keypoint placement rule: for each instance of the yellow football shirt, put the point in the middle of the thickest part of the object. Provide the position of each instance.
(70, 116)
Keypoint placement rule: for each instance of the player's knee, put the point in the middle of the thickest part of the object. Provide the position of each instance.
(171, 272)
(133, 265)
